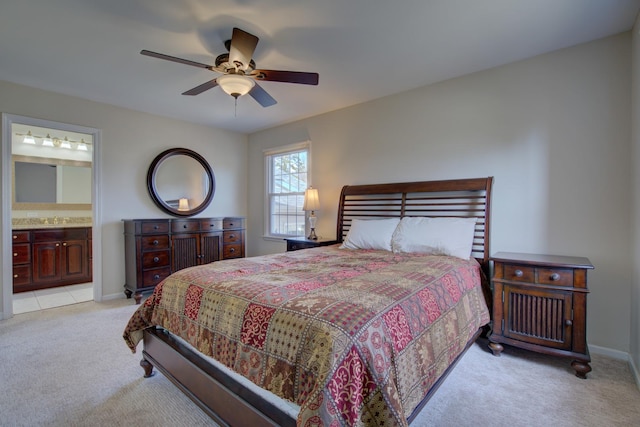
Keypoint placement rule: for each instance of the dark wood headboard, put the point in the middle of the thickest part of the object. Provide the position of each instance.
(456, 198)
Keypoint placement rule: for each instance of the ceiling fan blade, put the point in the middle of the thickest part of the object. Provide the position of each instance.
(286, 76)
(242, 47)
(174, 59)
(204, 86)
(261, 95)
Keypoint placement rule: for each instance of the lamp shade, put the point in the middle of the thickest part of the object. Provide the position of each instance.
(311, 200)
(235, 84)
(183, 204)
(28, 138)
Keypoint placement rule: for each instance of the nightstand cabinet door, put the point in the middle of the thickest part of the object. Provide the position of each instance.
(538, 316)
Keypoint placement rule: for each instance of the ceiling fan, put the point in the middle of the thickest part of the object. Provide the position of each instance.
(239, 74)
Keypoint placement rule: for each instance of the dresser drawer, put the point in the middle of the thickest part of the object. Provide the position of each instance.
(232, 236)
(155, 227)
(232, 251)
(153, 277)
(155, 259)
(21, 253)
(233, 223)
(21, 274)
(20, 236)
(150, 243)
(211, 224)
(180, 226)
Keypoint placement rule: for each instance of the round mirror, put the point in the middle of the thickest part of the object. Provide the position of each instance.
(181, 182)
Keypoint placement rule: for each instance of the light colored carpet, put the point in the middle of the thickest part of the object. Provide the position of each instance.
(69, 366)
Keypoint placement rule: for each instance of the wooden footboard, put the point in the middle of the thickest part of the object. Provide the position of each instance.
(215, 391)
(223, 398)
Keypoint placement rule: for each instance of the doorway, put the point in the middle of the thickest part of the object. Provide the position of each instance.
(70, 153)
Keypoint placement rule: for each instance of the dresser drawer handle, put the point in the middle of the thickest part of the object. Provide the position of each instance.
(155, 227)
(568, 322)
(518, 273)
(64, 244)
(15, 254)
(155, 242)
(230, 224)
(184, 226)
(15, 276)
(232, 236)
(156, 277)
(15, 237)
(156, 259)
(232, 250)
(555, 276)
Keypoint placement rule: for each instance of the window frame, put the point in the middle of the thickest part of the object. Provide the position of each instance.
(268, 154)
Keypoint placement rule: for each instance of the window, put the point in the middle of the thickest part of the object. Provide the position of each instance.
(287, 170)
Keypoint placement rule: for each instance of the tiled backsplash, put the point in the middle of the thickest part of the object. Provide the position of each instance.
(53, 221)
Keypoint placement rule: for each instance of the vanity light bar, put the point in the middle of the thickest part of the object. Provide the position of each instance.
(49, 141)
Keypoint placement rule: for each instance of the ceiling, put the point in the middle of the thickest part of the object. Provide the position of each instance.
(362, 49)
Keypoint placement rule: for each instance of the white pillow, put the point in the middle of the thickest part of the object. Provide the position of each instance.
(437, 236)
(370, 234)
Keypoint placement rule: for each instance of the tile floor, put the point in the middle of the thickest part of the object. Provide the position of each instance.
(25, 302)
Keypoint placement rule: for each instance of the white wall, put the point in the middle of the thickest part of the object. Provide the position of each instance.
(130, 141)
(635, 133)
(554, 131)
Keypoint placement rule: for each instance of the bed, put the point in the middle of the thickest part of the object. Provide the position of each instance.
(361, 335)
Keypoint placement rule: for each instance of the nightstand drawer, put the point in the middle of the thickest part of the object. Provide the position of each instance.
(519, 273)
(555, 276)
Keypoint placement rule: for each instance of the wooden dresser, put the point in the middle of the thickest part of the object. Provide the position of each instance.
(540, 304)
(155, 248)
(50, 257)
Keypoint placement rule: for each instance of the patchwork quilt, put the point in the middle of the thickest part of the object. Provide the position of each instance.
(354, 337)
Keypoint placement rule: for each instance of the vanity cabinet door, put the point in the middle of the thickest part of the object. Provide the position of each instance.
(74, 259)
(46, 262)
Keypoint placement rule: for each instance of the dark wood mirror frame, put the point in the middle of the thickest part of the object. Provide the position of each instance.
(153, 191)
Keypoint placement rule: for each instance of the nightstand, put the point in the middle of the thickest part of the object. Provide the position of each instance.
(540, 304)
(297, 243)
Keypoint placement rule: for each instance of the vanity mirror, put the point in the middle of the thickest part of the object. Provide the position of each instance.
(181, 182)
(48, 183)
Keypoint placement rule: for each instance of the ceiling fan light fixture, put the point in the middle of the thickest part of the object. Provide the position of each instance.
(236, 85)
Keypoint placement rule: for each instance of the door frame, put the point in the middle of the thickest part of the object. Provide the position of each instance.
(7, 185)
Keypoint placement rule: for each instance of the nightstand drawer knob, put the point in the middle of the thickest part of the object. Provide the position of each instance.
(156, 259)
(518, 273)
(232, 250)
(155, 242)
(568, 322)
(555, 277)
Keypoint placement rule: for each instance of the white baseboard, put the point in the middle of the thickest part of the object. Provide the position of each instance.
(119, 295)
(605, 351)
(634, 369)
(620, 355)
